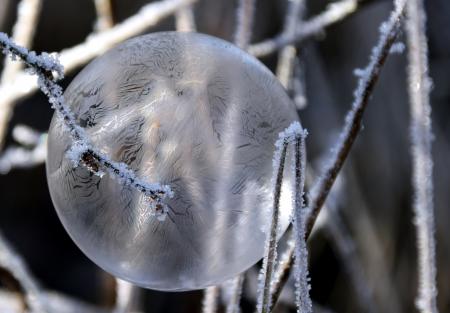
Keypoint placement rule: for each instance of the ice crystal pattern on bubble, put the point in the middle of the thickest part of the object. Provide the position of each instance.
(188, 111)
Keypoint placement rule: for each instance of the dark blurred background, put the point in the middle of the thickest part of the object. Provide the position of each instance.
(373, 200)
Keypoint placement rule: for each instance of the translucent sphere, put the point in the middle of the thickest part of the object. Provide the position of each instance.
(187, 110)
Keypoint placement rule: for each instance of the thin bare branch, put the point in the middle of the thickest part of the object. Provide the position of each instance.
(421, 138)
(96, 44)
(334, 13)
(105, 17)
(244, 15)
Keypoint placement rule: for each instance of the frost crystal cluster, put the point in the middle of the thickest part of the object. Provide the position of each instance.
(185, 110)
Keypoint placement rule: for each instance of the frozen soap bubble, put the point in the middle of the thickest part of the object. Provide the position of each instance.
(187, 110)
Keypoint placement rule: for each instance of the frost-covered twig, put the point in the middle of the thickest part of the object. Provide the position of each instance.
(43, 65)
(95, 44)
(210, 298)
(185, 20)
(244, 23)
(282, 269)
(333, 14)
(421, 138)
(82, 151)
(388, 34)
(11, 262)
(286, 137)
(303, 300)
(105, 19)
(233, 302)
(265, 277)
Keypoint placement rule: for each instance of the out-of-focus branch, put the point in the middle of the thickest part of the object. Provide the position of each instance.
(105, 17)
(22, 33)
(96, 44)
(36, 300)
(297, 85)
(27, 136)
(185, 20)
(244, 24)
(333, 14)
(78, 55)
(124, 296)
(345, 249)
(236, 285)
(22, 157)
(288, 53)
(12, 263)
(422, 161)
(56, 303)
(210, 299)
